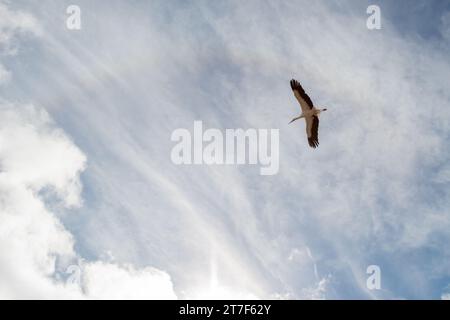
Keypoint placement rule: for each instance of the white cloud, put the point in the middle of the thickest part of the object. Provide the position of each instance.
(105, 280)
(445, 27)
(35, 155)
(4, 75)
(14, 24)
(317, 292)
(31, 159)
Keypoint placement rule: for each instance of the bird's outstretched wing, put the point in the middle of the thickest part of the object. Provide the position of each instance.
(312, 130)
(302, 97)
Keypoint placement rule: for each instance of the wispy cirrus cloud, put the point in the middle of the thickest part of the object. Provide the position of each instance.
(364, 197)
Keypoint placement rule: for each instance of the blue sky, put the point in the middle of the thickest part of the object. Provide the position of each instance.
(374, 192)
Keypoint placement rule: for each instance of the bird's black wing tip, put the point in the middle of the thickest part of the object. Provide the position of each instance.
(313, 143)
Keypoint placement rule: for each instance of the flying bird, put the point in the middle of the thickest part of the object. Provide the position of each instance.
(309, 112)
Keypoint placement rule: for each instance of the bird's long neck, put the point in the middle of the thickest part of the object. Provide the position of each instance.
(296, 118)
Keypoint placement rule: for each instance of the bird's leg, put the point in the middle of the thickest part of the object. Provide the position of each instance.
(299, 117)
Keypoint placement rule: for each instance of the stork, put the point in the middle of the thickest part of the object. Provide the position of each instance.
(309, 112)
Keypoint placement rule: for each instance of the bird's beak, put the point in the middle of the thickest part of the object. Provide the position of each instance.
(292, 121)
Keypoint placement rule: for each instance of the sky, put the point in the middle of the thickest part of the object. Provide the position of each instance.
(92, 207)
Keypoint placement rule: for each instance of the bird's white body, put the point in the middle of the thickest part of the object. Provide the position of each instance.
(311, 112)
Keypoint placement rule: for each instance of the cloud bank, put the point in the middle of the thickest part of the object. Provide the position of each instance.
(35, 156)
(40, 169)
